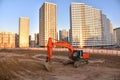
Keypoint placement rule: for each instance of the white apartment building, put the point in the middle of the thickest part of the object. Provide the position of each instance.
(47, 23)
(86, 27)
(24, 32)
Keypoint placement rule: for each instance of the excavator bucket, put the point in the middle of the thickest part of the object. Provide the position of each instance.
(48, 66)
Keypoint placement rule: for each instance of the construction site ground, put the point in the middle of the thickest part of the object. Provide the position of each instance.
(29, 65)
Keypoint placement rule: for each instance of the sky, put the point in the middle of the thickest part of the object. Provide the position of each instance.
(11, 10)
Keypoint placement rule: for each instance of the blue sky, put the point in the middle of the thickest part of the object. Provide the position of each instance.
(11, 10)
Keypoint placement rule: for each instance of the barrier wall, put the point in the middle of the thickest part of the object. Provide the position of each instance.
(102, 51)
(89, 50)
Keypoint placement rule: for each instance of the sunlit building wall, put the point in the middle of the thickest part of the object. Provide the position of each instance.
(85, 25)
(47, 23)
(7, 40)
(63, 35)
(23, 32)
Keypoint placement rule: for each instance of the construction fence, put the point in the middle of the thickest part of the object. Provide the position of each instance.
(89, 50)
(102, 51)
(94, 51)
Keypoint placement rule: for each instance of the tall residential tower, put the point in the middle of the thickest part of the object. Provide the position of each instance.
(86, 26)
(47, 22)
(23, 32)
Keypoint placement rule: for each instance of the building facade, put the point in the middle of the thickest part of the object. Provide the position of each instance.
(108, 34)
(47, 23)
(37, 39)
(63, 35)
(86, 26)
(117, 35)
(30, 38)
(16, 40)
(7, 40)
(23, 32)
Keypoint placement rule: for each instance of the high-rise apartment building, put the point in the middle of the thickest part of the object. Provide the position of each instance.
(117, 35)
(47, 23)
(86, 27)
(63, 35)
(7, 40)
(23, 32)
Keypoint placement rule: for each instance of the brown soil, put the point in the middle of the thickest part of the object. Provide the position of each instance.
(28, 65)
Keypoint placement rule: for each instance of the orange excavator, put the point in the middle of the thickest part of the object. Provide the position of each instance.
(74, 55)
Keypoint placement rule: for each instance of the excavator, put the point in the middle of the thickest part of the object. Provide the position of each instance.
(75, 56)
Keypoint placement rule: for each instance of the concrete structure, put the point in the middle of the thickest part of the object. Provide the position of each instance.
(7, 40)
(70, 35)
(112, 35)
(32, 43)
(86, 27)
(23, 32)
(16, 40)
(117, 35)
(63, 35)
(30, 39)
(57, 36)
(37, 39)
(47, 23)
(108, 34)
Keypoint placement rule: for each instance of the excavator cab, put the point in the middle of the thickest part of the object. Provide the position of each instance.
(80, 57)
(79, 54)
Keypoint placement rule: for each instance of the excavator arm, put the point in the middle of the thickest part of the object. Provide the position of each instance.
(52, 44)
